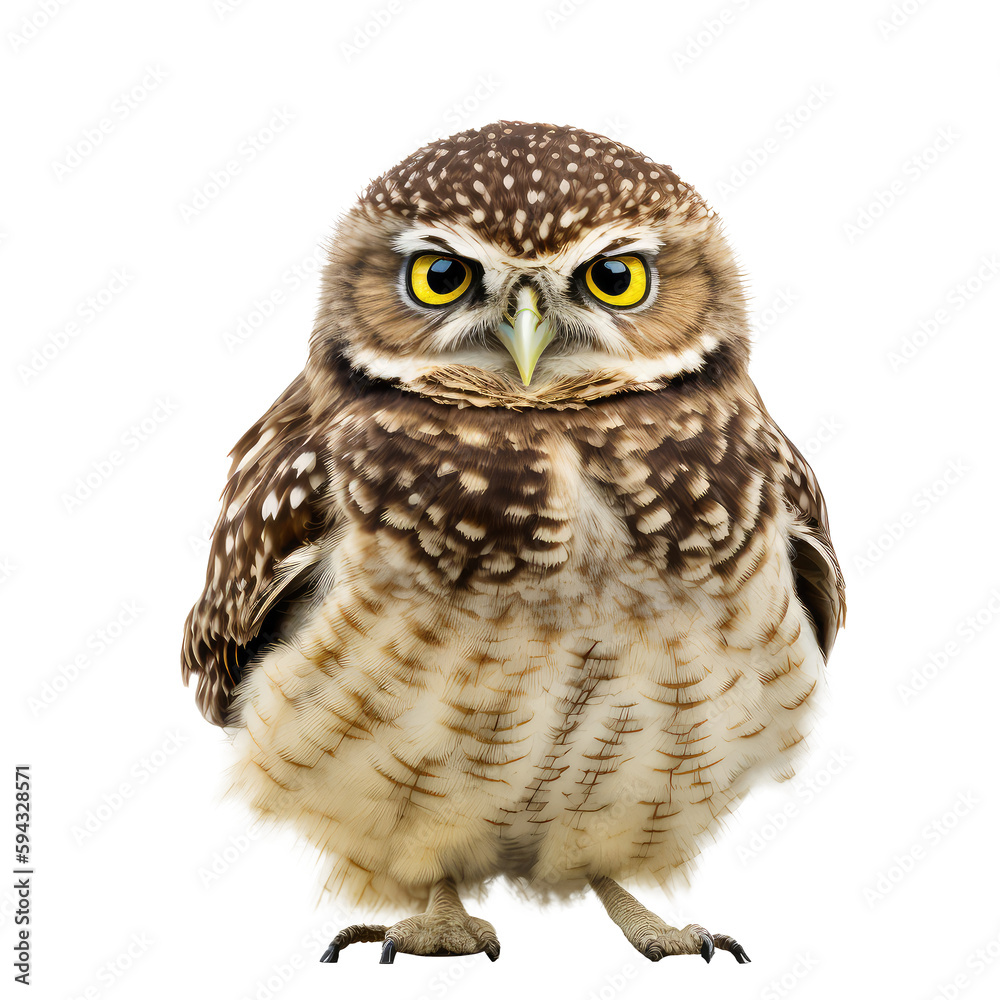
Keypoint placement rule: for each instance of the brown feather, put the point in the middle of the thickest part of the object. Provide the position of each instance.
(269, 510)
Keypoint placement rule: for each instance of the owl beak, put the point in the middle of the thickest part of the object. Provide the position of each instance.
(527, 335)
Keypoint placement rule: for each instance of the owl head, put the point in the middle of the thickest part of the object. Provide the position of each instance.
(528, 265)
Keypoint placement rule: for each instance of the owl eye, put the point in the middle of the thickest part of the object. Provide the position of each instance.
(617, 281)
(434, 280)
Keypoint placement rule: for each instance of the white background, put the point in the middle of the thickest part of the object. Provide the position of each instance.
(851, 151)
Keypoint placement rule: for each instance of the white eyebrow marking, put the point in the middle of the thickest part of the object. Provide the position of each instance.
(465, 241)
(616, 246)
(414, 242)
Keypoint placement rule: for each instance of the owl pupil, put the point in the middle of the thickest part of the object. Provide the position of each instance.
(444, 276)
(611, 276)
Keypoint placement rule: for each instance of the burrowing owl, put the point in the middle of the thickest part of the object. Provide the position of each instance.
(518, 577)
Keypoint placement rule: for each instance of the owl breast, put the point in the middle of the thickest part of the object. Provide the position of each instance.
(554, 646)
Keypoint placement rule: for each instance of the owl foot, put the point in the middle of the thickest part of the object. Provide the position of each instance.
(444, 929)
(654, 938)
(440, 934)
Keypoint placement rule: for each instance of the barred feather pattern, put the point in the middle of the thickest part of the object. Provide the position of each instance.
(556, 644)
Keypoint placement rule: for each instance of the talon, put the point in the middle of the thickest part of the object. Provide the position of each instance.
(331, 954)
(733, 946)
(740, 954)
(388, 952)
(707, 947)
(493, 950)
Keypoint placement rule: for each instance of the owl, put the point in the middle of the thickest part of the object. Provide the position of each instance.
(518, 578)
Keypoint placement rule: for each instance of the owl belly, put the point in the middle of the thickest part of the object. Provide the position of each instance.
(559, 729)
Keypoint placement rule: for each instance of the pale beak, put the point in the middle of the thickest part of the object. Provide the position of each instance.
(528, 336)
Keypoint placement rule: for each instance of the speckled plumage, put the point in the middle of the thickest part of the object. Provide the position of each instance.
(464, 627)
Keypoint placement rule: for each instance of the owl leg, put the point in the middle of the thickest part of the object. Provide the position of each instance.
(445, 928)
(648, 934)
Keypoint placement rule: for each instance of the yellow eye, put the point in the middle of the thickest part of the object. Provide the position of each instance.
(438, 281)
(618, 281)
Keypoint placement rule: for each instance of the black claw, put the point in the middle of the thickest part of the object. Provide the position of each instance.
(492, 950)
(388, 953)
(707, 947)
(739, 954)
(331, 954)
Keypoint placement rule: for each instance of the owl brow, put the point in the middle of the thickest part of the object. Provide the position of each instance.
(414, 244)
(637, 243)
(443, 244)
(618, 244)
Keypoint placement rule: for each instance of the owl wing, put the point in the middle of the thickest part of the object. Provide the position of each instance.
(819, 582)
(262, 552)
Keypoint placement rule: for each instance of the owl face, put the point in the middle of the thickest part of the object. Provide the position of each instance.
(524, 263)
